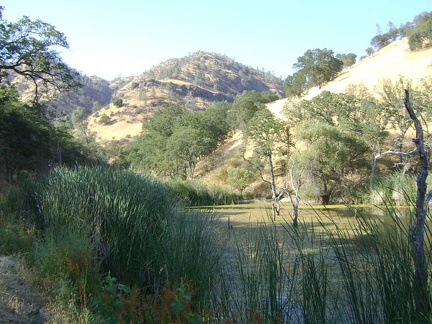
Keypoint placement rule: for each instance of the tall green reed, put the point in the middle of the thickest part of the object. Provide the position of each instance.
(123, 214)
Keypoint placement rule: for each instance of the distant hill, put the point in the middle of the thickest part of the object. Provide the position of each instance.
(194, 81)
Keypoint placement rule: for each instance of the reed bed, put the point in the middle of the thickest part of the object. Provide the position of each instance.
(120, 247)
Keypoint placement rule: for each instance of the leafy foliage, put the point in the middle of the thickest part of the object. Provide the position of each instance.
(29, 142)
(240, 178)
(174, 139)
(246, 105)
(421, 35)
(314, 68)
(28, 49)
(118, 102)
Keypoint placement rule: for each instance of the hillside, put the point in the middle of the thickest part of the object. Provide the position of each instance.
(390, 62)
(194, 81)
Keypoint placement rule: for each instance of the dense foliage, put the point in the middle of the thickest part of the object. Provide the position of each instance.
(174, 139)
(341, 138)
(315, 68)
(28, 49)
(28, 142)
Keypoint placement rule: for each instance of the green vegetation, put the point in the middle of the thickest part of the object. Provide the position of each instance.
(118, 102)
(315, 68)
(174, 140)
(122, 245)
(29, 50)
(104, 119)
(337, 265)
(419, 33)
(240, 178)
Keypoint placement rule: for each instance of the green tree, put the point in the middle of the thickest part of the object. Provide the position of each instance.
(29, 49)
(240, 178)
(347, 59)
(271, 139)
(421, 35)
(174, 139)
(319, 66)
(104, 119)
(330, 157)
(118, 102)
(164, 120)
(246, 105)
(348, 125)
(296, 84)
(185, 147)
(29, 142)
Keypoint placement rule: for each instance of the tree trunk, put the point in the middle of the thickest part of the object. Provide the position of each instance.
(295, 202)
(276, 198)
(417, 232)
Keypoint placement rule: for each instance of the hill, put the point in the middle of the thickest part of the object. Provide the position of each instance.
(390, 62)
(194, 81)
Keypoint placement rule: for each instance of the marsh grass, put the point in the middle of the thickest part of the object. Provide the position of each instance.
(90, 226)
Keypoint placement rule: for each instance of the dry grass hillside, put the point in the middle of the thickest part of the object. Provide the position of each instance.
(194, 81)
(390, 62)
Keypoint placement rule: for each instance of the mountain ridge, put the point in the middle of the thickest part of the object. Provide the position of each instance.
(193, 81)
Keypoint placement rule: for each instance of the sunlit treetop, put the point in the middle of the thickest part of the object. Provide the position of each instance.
(29, 48)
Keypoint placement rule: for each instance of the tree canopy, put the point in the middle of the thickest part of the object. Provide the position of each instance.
(28, 49)
(315, 68)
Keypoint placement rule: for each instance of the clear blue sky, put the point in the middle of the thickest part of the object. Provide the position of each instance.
(110, 38)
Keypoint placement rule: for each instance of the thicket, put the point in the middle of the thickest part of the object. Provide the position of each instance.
(99, 237)
(109, 246)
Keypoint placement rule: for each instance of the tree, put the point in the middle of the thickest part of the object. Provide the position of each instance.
(174, 139)
(186, 146)
(246, 105)
(118, 102)
(240, 178)
(380, 41)
(270, 138)
(28, 49)
(318, 66)
(24, 136)
(296, 84)
(421, 35)
(369, 51)
(417, 232)
(164, 120)
(328, 128)
(347, 59)
(330, 157)
(390, 93)
(29, 142)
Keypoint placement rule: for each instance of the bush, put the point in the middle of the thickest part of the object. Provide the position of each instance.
(118, 102)
(104, 119)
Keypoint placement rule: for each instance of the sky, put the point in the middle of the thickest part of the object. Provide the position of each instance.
(111, 38)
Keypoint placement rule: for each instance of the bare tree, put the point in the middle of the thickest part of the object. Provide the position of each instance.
(417, 232)
(296, 184)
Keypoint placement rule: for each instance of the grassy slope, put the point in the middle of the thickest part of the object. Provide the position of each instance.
(390, 62)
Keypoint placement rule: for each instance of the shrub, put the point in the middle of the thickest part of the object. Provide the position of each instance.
(104, 119)
(118, 102)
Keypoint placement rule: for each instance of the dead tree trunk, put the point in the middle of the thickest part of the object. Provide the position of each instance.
(295, 185)
(417, 232)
